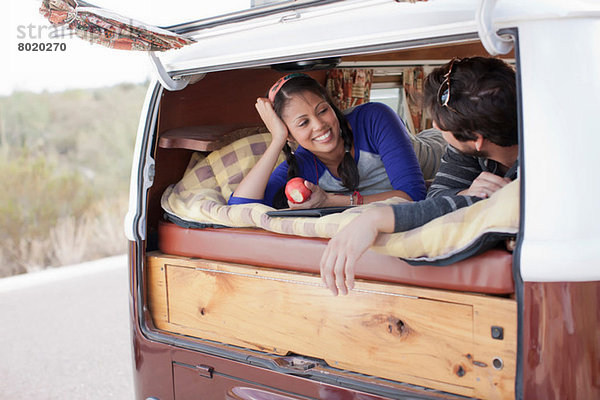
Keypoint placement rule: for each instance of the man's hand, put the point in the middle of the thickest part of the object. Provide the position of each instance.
(485, 185)
(349, 244)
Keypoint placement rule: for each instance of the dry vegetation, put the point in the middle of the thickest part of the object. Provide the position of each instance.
(65, 160)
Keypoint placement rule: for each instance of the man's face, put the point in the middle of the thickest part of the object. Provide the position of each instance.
(467, 147)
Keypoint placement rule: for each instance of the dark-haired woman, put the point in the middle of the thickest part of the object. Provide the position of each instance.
(351, 159)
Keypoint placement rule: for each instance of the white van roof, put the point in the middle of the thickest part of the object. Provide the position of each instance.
(307, 32)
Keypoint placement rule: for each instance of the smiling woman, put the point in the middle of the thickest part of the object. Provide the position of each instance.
(357, 158)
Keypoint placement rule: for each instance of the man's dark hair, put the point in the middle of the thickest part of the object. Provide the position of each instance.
(483, 99)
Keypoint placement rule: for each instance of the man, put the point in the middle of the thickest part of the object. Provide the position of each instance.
(473, 102)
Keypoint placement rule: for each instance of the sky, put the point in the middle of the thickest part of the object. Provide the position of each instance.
(81, 64)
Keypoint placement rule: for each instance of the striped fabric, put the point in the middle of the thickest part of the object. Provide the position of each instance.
(457, 172)
(200, 197)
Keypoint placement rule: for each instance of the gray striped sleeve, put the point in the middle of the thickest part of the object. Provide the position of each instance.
(408, 216)
(456, 173)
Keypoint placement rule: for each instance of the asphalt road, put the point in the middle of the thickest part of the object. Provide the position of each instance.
(64, 333)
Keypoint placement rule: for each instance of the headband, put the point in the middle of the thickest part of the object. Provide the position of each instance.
(280, 82)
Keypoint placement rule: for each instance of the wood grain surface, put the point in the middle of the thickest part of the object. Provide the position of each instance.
(433, 338)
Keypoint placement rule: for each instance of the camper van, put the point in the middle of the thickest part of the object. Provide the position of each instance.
(227, 301)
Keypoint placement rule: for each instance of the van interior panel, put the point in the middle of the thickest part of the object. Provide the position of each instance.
(417, 56)
(376, 330)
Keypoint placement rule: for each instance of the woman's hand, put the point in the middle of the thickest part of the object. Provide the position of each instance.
(274, 124)
(318, 198)
(349, 244)
(485, 185)
(254, 184)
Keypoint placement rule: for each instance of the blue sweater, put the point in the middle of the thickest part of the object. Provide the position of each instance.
(383, 153)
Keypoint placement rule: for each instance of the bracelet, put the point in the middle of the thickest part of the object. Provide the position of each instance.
(359, 198)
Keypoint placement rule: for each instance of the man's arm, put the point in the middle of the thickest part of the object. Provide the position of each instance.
(348, 245)
(456, 173)
(408, 216)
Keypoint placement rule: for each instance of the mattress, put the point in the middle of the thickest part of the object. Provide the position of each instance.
(489, 272)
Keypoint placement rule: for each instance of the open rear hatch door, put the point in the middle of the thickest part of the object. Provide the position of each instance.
(101, 26)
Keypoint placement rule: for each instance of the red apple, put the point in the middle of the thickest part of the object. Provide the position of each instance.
(296, 191)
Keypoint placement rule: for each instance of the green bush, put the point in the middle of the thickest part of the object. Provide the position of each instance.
(35, 195)
(65, 161)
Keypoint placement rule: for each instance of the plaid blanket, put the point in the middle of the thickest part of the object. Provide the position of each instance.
(200, 196)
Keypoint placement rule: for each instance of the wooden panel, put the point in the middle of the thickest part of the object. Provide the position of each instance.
(489, 351)
(206, 138)
(173, 163)
(157, 299)
(220, 98)
(440, 52)
(436, 339)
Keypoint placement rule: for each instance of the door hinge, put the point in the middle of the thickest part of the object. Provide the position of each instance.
(494, 44)
(163, 76)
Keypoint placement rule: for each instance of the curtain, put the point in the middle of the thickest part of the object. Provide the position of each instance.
(101, 26)
(413, 80)
(349, 87)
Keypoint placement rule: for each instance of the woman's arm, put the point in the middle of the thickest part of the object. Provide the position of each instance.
(385, 195)
(321, 198)
(254, 184)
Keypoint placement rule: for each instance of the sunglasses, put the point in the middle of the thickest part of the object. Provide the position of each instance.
(443, 94)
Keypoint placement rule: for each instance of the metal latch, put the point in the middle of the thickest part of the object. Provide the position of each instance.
(298, 363)
(150, 172)
(204, 370)
(290, 17)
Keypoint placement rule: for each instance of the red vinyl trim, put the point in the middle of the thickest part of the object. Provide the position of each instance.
(489, 272)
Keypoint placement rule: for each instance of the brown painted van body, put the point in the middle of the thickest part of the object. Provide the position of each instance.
(546, 347)
(556, 332)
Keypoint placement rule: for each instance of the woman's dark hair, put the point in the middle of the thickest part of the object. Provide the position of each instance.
(347, 170)
(482, 99)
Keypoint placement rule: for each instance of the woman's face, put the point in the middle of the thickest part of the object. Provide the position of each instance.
(312, 123)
